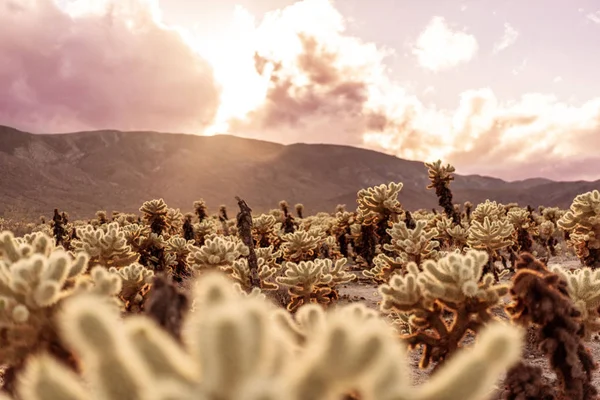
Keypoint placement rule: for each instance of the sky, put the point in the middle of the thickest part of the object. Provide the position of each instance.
(504, 88)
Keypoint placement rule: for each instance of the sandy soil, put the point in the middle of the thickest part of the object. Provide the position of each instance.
(365, 291)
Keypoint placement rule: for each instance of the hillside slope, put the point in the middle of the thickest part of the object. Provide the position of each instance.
(111, 170)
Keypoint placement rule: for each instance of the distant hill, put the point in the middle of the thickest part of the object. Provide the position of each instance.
(110, 170)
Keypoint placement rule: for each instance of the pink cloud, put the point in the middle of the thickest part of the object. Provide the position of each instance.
(119, 68)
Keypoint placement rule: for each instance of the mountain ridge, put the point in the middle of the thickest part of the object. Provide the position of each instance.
(109, 170)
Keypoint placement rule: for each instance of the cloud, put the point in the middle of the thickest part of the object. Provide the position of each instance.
(535, 136)
(314, 78)
(520, 68)
(428, 90)
(102, 64)
(557, 79)
(295, 75)
(440, 47)
(594, 17)
(508, 39)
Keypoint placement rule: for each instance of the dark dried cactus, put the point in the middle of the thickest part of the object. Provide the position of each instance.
(200, 210)
(526, 382)
(188, 228)
(300, 210)
(366, 244)
(59, 229)
(244, 225)
(540, 298)
(167, 305)
(409, 221)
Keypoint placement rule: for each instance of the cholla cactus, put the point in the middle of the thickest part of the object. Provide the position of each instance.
(440, 177)
(101, 218)
(106, 245)
(384, 267)
(521, 220)
(300, 245)
(180, 249)
(263, 230)
(34, 279)
(269, 254)
(459, 236)
(552, 214)
(313, 281)
(490, 209)
(582, 221)
(155, 214)
(240, 271)
(203, 230)
(174, 220)
(408, 245)
(151, 247)
(545, 234)
(414, 245)
(201, 210)
(341, 230)
(60, 228)
(136, 280)
(455, 283)
(379, 206)
(188, 227)
(583, 286)
(234, 349)
(299, 210)
(312, 320)
(217, 252)
(491, 236)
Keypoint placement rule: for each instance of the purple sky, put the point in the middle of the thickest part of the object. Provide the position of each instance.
(506, 88)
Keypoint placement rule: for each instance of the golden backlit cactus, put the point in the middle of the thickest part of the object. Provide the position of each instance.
(384, 267)
(155, 215)
(174, 220)
(216, 253)
(136, 280)
(378, 208)
(379, 202)
(455, 283)
(269, 254)
(545, 233)
(240, 272)
(180, 249)
(416, 244)
(314, 281)
(203, 230)
(106, 245)
(300, 245)
(524, 228)
(308, 282)
(263, 229)
(583, 286)
(490, 209)
(552, 214)
(491, 236)
(235, 350)
(407, 245)
(582, 221)
(34, 280)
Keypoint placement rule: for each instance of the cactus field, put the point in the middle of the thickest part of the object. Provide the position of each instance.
(366, 301)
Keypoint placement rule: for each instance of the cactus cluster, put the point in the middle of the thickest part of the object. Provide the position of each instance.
(210, 305)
